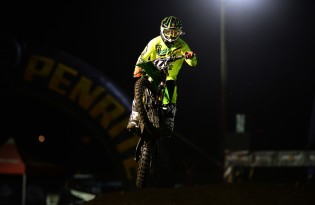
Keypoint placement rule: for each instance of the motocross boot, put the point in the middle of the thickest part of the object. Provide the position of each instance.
(169, 117)
(133, 123)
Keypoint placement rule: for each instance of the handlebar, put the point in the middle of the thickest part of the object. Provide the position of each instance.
(163, 62)
(177, 57)
(160, 63)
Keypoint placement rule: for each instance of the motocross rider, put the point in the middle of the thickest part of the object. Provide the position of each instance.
(168, 43)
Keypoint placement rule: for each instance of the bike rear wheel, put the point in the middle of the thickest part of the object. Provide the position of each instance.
(144, 166)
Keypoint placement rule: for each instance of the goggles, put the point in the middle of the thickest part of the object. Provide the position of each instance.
(172, 32)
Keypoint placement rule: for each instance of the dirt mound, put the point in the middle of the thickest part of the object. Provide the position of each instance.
(216, 194)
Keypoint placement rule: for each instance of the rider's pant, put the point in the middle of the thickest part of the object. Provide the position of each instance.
(169, 112)
(168, 109)
(134, 116)
(169, 117)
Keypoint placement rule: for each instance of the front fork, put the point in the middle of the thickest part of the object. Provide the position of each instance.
(138, 149)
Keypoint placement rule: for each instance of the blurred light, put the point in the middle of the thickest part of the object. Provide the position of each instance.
(41, 138)
(82, 195)
(86, 139)
(243, 2)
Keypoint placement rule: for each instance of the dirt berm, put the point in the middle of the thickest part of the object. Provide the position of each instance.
(215, 194)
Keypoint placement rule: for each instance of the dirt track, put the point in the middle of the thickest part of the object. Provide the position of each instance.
(215, 194)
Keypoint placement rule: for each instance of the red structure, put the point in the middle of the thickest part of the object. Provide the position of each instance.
(11, 163)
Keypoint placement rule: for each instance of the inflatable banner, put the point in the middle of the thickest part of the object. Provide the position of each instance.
(73, 87)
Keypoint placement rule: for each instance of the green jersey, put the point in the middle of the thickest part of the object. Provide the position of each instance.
(156, 48)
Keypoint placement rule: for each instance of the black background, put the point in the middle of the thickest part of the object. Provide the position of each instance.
(270, 63)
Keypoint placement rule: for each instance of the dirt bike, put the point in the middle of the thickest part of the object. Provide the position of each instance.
(149, 93)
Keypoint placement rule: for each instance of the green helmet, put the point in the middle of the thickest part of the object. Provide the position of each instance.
(171, 29)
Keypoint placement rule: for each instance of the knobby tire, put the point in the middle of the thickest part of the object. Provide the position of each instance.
(147, 106)
(144, 166)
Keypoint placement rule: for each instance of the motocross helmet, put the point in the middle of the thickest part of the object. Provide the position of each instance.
(171, 29)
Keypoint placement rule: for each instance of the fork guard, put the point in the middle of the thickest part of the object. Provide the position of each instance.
(138, 149)
(151, 71)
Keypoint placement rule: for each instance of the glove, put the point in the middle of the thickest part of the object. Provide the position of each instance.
(189, 54)
(137, 73)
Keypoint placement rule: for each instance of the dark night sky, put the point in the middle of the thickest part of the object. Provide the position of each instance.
(270, 47)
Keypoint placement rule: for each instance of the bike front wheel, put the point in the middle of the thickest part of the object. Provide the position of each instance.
(147, 105)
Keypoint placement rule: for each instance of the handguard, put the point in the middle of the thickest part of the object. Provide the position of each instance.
(137, 73)
(189, 54)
